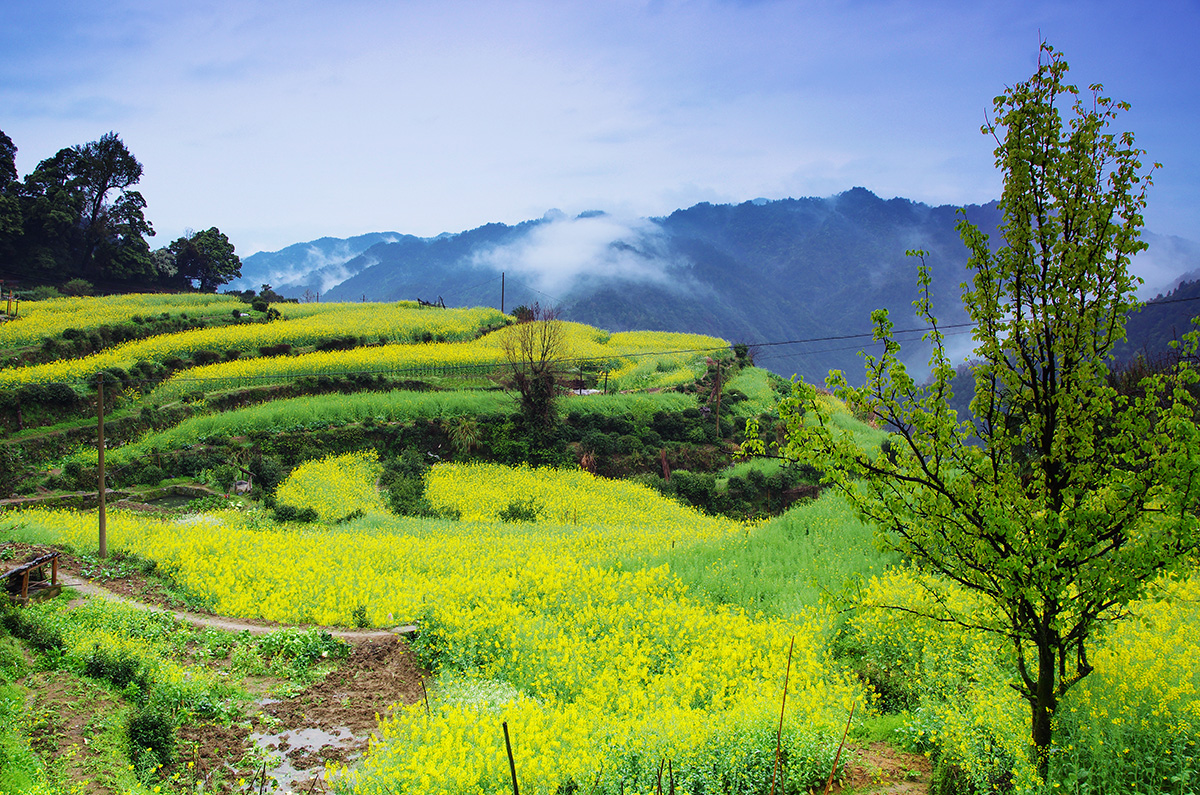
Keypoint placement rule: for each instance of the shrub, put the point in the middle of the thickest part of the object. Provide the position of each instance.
(521, 510)
(72, 475)
(346, 343)
(282, 349)
(77, 287)
(42, 292)
(151, 734)
(290, 513)
(406, 496)
(152, 475)
(204, 357)
(303, 645)
(119, 667)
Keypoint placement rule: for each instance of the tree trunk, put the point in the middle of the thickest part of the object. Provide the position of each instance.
(1044, 705)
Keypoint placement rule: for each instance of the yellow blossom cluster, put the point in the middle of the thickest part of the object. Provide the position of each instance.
(634, 359)
(335, 486)
(1130, 725)
(400, 323)
(600, 667)
(481, 491)
(40, 319)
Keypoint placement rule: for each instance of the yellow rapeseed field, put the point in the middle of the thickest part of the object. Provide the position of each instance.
(634, 360)
(40, 319)
(301, 325)
(596, 663)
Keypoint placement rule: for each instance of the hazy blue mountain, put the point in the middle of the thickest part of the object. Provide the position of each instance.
(757, 272)
(806, 272)
(314, 266)
(1164, 318)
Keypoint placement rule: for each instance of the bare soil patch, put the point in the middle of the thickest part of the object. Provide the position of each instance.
(881, 769)
(329, 721)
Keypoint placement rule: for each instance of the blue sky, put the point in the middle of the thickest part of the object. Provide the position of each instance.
(285, 121)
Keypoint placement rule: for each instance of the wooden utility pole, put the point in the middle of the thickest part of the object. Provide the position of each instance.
(103, 543)
(502, 292)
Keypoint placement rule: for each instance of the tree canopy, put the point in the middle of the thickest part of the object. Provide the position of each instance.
(81, 216)
(1058, 501)
(206, 259)
(77, 215)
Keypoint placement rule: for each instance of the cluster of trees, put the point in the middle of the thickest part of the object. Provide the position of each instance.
(77, 216)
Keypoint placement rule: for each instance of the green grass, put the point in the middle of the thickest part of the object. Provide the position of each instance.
(865, 436)
(313, 412)
(758, 386)
(634, 406)
(813, 552)
(767, 466)
(20, 768)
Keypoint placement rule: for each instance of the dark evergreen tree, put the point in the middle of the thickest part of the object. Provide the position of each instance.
(205, 259)
(82, 218)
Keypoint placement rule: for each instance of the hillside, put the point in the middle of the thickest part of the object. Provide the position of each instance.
(1163, 319)
(610, 585)
(757, 272)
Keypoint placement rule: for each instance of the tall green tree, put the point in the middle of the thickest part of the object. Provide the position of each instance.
(82, 216)
(1059, 501)
(206, 259)
(10, 207)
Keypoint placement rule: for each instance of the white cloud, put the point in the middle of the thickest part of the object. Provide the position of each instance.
(562, 252)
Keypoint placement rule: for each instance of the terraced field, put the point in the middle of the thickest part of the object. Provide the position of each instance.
(634, 612)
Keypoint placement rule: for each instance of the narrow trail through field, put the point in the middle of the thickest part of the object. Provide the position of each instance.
(90, 588)
(329, 720)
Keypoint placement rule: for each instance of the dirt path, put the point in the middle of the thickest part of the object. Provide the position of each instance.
(255, 627)
(296, 734)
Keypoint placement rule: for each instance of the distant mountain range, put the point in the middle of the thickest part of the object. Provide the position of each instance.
(798, 278)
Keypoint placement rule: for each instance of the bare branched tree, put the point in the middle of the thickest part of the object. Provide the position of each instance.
(535, 348)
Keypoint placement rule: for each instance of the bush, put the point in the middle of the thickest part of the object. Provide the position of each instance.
(73, 475)
(696, 488)
(10, 471)
(282, 349)
(346, 343)
(303, 645)
(599, 443)
(204, 357)
(120, 668)
(406, 497)
(151, 733)
(152, 475)
(290, 513)
(523, 510)
(77, 287)
(42, 292)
